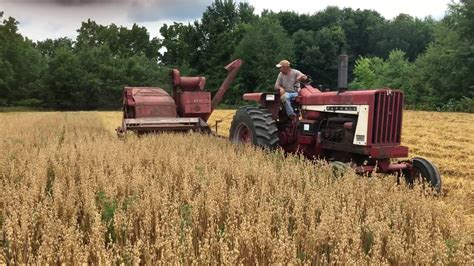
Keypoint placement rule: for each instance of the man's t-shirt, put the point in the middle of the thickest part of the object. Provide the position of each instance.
(288, 81)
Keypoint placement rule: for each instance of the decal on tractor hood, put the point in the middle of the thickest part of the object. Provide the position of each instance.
(334, 108)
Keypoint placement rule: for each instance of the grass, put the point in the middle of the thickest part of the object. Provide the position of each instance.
(72, 192)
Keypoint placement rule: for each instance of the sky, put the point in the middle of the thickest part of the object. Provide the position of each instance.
(42, 19)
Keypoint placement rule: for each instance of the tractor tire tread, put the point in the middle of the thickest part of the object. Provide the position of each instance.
(262, 126)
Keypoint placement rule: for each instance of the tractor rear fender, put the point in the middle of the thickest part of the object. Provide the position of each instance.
(267, 100)
(254, 97)
(262, 97)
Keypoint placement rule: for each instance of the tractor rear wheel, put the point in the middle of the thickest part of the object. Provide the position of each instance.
(254, 125)
(425, 172)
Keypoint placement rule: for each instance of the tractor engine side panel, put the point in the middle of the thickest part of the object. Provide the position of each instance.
(361, 111)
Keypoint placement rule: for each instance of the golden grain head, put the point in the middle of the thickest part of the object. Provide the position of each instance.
(72, 192)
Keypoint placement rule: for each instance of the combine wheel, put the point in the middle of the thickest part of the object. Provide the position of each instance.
(423, 171)
(254, 125)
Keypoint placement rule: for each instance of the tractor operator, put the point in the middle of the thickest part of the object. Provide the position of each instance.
(288, 85)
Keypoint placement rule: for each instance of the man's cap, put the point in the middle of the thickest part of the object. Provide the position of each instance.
(284, 63)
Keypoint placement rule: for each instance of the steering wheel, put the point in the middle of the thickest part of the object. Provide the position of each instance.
(308, 80)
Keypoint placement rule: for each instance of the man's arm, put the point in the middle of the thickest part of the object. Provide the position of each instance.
(300, 76)
(278, 87)
(278, 82)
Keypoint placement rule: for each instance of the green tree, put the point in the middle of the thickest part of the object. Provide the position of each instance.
(364, 74)
(330, 16)
(181, 43)
(219, 33)
(444, 73)
(359, 27)
(290, 21)
(375, 73)
(49, 47)
(21, 66)
(99, 82)
(316, 53)
(120, 40)
(411, 35)
(264, 44)
(367, 73)
(63, 79)
(396, 71)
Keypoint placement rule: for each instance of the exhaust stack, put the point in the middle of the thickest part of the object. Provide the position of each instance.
(342, 72)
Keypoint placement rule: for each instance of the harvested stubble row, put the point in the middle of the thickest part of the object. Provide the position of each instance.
(72, 192)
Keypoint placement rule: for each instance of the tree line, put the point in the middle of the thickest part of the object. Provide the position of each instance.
(431, 60)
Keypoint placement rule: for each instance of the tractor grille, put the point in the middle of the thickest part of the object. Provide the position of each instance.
(387, 124)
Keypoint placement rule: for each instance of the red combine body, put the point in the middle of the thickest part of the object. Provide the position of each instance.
(151, 109)
(358, 129)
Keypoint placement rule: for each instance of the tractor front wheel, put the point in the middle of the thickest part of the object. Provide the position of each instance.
(254, 125)
(423, 171)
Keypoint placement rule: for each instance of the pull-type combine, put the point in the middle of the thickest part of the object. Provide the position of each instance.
(152, 109)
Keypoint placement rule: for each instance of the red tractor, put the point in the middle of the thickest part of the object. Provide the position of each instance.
(360, 129)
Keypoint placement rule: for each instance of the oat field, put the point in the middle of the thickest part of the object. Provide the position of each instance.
(72, 192)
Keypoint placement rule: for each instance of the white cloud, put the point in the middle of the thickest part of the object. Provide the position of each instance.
(48, 20)
(152, 10)
(43, 21)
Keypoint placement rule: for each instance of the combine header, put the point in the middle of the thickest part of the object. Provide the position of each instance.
(151, 109)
